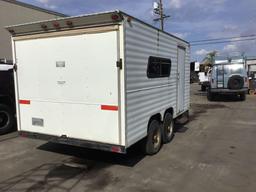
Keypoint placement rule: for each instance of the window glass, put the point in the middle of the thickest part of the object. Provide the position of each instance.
(158, 67)
(220, 70)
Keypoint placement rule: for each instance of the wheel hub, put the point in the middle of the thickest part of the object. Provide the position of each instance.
(170, 129)
(156, 139)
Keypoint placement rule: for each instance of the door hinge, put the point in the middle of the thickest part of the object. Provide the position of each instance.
(119, 64)
(178, 76)
(15, 67)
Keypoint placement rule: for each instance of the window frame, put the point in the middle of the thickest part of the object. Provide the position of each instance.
(160, 61)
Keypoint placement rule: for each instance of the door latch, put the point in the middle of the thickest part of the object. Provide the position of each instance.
(119, 64)
(15, 67)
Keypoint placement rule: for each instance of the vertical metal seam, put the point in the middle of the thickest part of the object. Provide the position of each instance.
(16, 85)
(119, 88)
(125, 79)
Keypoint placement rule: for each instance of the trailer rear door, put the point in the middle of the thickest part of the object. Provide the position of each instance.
(68, 86)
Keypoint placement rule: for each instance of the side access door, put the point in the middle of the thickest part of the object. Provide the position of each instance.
(181, 79)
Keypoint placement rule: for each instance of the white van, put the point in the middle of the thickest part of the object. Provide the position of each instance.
(104, 81)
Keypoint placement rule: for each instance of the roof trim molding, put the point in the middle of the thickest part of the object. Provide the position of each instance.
(22, 29)
(35, 7)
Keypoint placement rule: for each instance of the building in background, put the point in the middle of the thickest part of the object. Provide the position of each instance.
(251, 64)
(14, 12)
(251, 67)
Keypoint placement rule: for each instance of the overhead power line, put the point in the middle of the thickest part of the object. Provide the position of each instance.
(224, 38)
(219, 42)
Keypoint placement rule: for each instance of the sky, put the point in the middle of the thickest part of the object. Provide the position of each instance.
(190, 19)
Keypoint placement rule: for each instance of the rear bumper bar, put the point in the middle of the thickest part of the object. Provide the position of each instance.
(74, 142)
(221, 90)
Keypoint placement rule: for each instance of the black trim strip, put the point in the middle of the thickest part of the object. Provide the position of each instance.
(74, 142)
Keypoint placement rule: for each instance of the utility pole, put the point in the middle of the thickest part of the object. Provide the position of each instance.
(161, 14)
(159, 10)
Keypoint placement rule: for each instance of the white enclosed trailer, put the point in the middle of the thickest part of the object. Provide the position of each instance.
(104, 81)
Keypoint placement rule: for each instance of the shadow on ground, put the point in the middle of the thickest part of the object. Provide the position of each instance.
(196, 111)
(220, 97)
(199, 109)
(83, 167)
(227, 98)
(60, 177)
(133, 156)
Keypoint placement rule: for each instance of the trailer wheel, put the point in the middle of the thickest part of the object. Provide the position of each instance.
(6, 119)
(168, 126)
(154, 138)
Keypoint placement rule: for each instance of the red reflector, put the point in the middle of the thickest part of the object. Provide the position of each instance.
(23, 135)
(116, 149)
(69, 23)
(109, 107)
(115, 17)
(56, 25)
(25, 102)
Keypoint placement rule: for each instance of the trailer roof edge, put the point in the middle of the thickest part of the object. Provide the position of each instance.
(13, 27)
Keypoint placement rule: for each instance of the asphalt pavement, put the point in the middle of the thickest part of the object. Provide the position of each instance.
(215, 151)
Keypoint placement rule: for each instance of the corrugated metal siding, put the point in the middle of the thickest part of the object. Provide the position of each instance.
(146, 97)
(187, 80)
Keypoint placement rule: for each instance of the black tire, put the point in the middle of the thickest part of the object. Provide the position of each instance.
(210, 95)
(236, 82)
(168, 128)
(242, 96)
(153, 140)
(203, 88)
(7, 119)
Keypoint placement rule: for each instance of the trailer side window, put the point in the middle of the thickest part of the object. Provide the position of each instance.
(158, 67)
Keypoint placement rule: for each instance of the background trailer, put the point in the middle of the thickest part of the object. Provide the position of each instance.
(104, 80)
